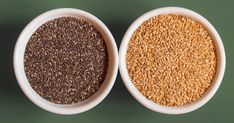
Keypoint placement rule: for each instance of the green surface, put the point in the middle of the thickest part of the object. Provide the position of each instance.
(119, 106)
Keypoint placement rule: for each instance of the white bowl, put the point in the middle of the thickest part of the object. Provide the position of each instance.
(215, 83)
(19, 62)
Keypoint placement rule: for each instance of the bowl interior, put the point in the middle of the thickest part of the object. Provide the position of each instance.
(19, 62)
(220, 62)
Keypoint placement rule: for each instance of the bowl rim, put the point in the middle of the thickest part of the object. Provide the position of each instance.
(63, 108)
(220, 66)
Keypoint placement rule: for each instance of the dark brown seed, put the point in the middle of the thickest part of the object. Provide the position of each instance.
(66, 60)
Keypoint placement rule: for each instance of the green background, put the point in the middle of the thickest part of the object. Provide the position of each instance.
(119, 106)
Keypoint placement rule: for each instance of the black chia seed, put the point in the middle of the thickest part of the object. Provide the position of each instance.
(66, 60)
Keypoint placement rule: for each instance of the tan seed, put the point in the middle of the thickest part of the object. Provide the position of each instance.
(171, 59)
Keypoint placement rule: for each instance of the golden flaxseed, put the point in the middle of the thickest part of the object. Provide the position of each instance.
(171, 59)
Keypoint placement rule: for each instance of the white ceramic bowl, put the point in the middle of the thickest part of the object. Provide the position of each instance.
(216, 81)
(19, 64)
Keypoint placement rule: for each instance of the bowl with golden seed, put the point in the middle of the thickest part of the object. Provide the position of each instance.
(172, 60)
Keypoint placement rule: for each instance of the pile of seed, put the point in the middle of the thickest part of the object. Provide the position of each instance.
(171, 59)
(66, 60)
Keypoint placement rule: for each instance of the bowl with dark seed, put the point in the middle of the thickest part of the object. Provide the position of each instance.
(172, 60)
(65, 61)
